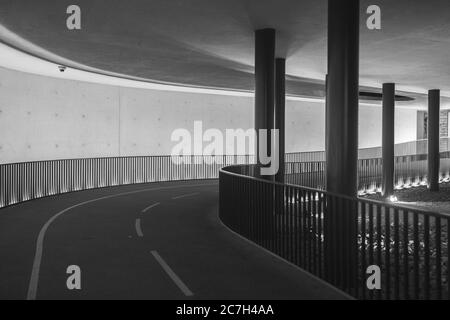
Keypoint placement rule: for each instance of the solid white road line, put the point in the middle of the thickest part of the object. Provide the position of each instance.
(34, 279)
(151, 207)
(138, 228)
(172, 275)
(185, 196)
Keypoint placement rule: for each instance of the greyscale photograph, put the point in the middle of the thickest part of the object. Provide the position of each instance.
(224, 157)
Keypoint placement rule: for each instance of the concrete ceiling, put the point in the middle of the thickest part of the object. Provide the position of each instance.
(210, 42)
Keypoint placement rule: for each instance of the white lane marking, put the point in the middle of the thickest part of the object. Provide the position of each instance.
(138, 228)
(151, 207)
(172, 275)
(34, 279)
(185, 195)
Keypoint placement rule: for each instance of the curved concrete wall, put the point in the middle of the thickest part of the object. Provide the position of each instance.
(44, 118)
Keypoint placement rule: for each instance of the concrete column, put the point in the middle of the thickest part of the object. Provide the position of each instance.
(343, 95)
(433, 139)
(264, 83)
(280, 106)
(388, 138)
(327, 96)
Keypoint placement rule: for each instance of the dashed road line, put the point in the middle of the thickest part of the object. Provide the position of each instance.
(180, 284)
(151, 207)
(138, 228)
(35, 270)
(185, 196)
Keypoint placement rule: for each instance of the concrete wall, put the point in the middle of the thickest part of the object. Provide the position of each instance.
(405, 125)
(370, 126)
(44, 118)
(149, 117)
(305, 126)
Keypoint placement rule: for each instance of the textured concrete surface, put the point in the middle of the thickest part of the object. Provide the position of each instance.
(43, 118)
(210, 42)
(101, 238)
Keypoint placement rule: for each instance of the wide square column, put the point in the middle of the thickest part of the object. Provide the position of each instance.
(342, 97)
(264, 84)
(388, 138)
(280, 114)
(433, 139)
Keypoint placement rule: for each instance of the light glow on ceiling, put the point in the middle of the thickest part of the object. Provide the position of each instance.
(40, 61)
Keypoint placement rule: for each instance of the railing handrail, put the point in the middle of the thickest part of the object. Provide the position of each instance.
(328, 193)
(222, 155)
(189, 156)
(377, 147)
(123, 157)
(337, 237)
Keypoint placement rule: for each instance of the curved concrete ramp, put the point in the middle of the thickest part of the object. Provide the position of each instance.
(152, 241)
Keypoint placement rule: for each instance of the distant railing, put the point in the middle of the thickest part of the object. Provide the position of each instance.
(307, 174)
(401, 149)
(337, 238)
(31, 180)
(409, 171)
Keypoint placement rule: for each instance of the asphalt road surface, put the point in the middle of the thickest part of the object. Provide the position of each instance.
(150, 241)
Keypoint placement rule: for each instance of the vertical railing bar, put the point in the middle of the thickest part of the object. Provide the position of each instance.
(363, 250)
(396, 254)
(427, 256)
(438, 260)
(387, 251)
(379, 244)
(406, 254)
(371, 241)
(416, 256)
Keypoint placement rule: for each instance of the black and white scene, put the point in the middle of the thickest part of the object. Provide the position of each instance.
(224, 156)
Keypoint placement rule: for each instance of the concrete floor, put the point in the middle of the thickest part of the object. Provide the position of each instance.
(108, 236)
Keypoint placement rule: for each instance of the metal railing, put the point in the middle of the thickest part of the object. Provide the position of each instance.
(31, 180)
(401, 149)
(410, 171)
(307, 174)
(337, 238)
(332, 236)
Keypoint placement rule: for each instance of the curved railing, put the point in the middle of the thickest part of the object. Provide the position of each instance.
(400, 149)
(20, 182)
(337, 238)
(409, 171)
(31, 180)
(293, 221)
